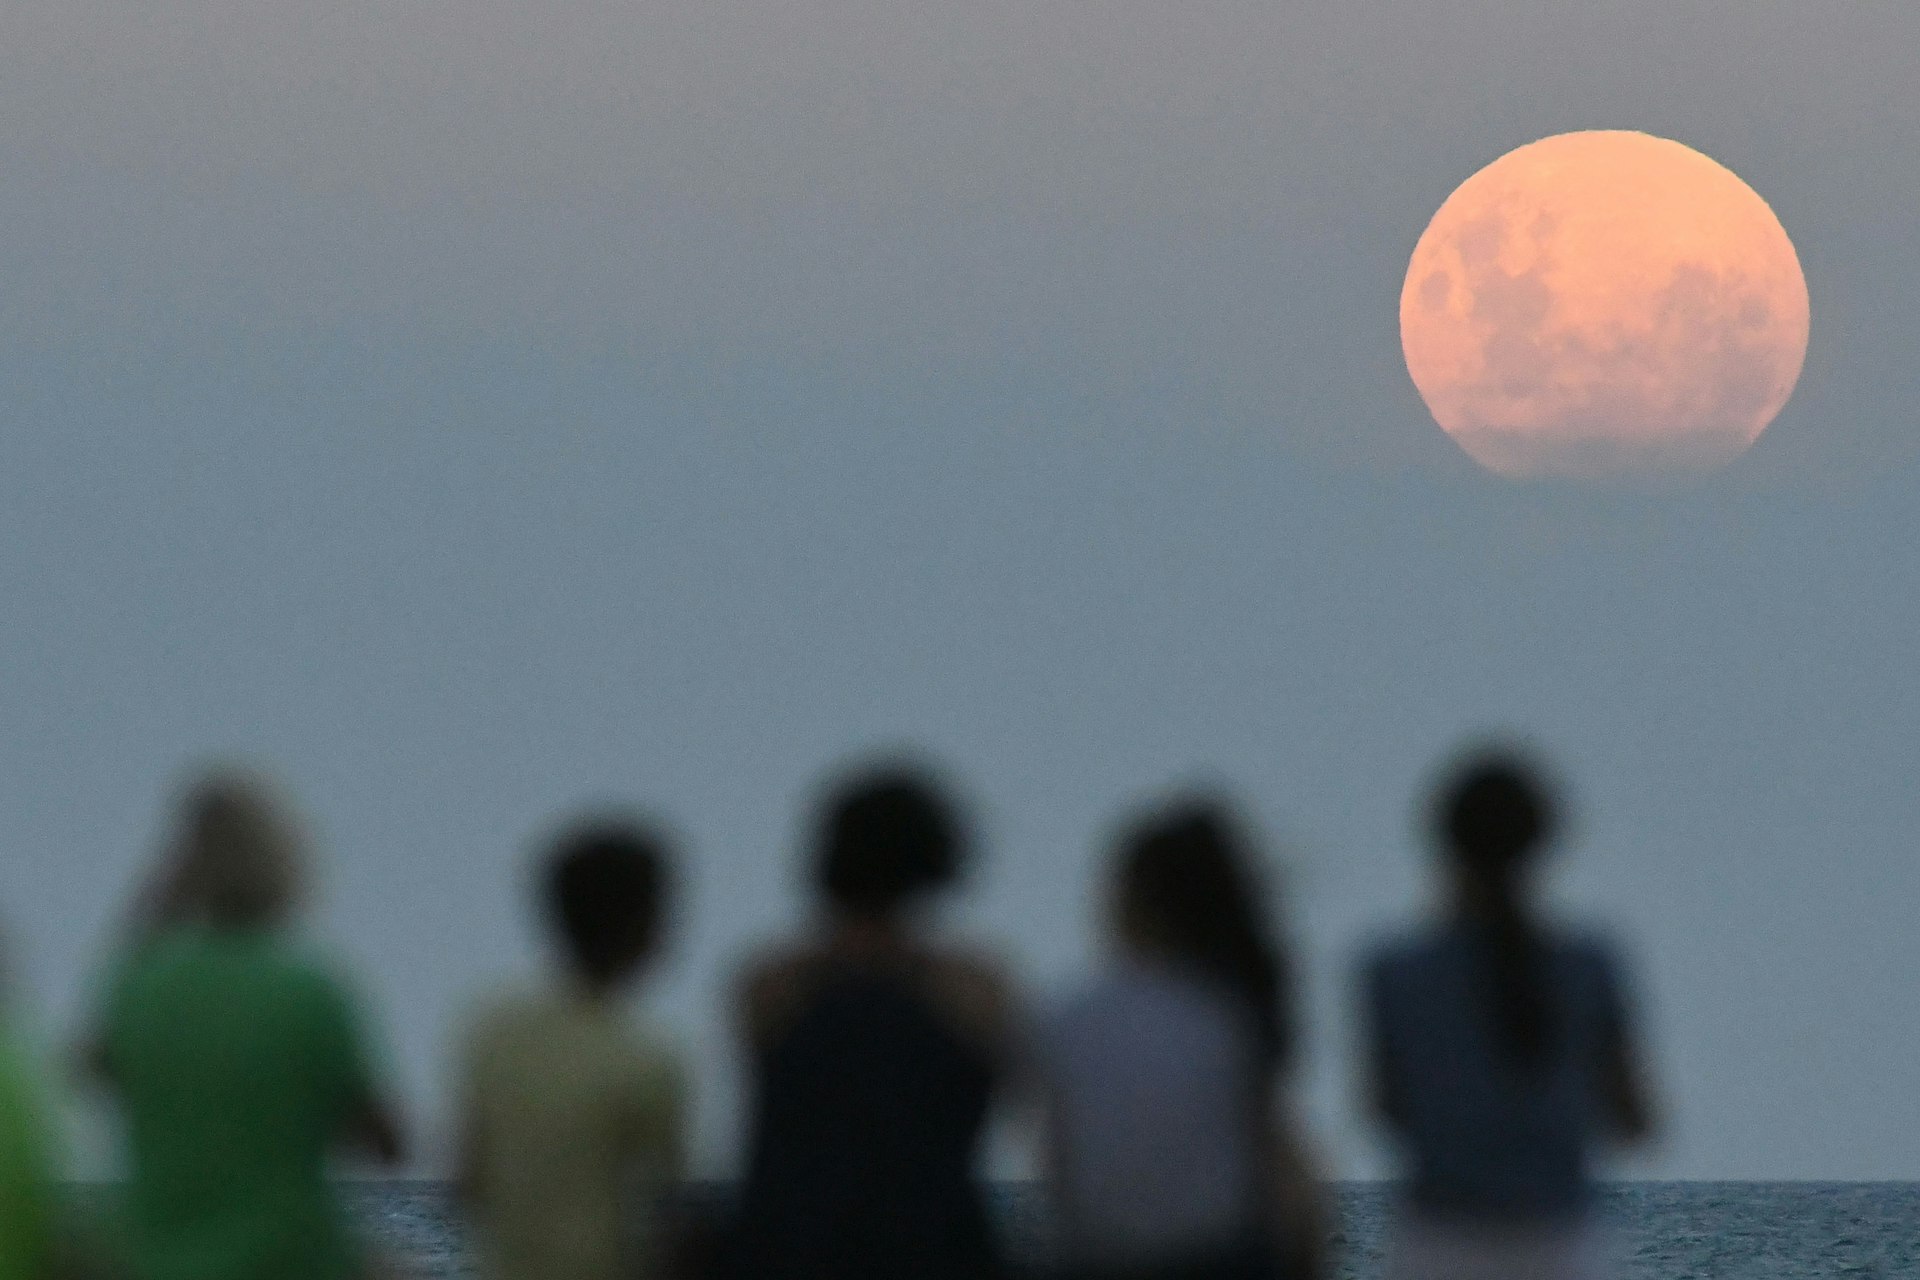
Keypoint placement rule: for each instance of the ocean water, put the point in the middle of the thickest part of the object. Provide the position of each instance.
(1659, 1230)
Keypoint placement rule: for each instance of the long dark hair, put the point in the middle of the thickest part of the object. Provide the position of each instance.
(1187, 883)
(1492, 818)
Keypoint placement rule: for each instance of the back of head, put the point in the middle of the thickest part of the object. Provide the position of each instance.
(885, 839)
(1494, 814)
(240, 850)
(1187, 889)
(1492, 817)
(605, 892)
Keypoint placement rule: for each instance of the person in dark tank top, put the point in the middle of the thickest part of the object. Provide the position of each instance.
(875, 1055)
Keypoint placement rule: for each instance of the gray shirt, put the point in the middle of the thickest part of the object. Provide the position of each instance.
(1490, 1137)
(1151, 1082)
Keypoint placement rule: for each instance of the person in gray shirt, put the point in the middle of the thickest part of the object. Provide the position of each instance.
(1171, 1148)
(1500, 1049)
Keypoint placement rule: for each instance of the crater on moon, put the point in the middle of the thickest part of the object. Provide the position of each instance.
(1604, 304)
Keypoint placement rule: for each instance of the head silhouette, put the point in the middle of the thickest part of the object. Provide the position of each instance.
(1493, 817)
(886, 839)
(605, 891)
(240, 851)
(1187, 891)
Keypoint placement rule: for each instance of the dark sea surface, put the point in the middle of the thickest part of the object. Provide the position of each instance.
(1660, 1230)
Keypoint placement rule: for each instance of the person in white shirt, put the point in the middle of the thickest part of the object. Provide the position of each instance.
(1169, 1147)
(574, 1114)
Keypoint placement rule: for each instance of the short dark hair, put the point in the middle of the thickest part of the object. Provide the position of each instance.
(606, 889)
(1495, 810)
(886, 836)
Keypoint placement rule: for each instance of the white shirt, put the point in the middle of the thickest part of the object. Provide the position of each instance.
(1149, 1079)
(569, 1109)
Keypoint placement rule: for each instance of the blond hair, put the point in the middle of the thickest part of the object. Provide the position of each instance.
(241, 852)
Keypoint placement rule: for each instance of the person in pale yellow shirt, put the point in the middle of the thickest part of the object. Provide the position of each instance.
(573, 1115)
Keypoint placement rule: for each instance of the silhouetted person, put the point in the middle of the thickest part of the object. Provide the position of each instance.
(875, 1056)
(1170, 1147)
(1501, 1050)
(573, 1118)
(239, 1062)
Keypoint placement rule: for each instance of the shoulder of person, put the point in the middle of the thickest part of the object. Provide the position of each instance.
(773, 983)
(776, 970)
(977, 989)
(489, 1017)
(971, 969)
(974, 975)
(661, 1063)
(1587, 944)
(164, 945)
(655, 1042)
(1082, 1011)
(312, 970)
(1386, 953)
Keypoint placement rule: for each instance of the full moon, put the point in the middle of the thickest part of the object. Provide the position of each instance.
(1603, 305)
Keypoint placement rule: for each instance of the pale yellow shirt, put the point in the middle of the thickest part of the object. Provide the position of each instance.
(576, 1119)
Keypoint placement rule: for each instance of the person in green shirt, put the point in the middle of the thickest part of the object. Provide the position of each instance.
(240, 1064)
(27, 1232)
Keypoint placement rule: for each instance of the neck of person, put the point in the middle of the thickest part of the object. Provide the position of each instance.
(596, 988)
(1471, 900)
(867, 934)
(242, 924)
(1137, 955)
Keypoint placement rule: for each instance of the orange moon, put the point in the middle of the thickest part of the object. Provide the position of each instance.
(1602, 305)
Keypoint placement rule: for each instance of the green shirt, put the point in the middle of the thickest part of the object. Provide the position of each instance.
(26, 1175)
(237, 1063)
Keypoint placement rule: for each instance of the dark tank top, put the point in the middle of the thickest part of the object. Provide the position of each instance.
(867, 1123)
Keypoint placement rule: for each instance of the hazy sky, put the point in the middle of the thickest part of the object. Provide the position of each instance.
(473, 408)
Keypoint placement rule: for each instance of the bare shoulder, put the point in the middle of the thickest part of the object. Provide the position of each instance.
(973, 970)
(776, 968)
(771, 986)
(978, 990)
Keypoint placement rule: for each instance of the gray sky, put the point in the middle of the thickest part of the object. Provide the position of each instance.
(474, 409)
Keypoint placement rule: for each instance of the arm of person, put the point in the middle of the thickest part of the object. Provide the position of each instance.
(39, 1216)
(27, 1189)
(1297, 1191)
(91, 1062)
(1054, 1158)
(372, 1130)
(476, 1054)
(1626, 1098)
(68, 1261)
(368, 1124)
(681, 1239)
(766, 996)
(1378, 1076)
(469, 1152)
